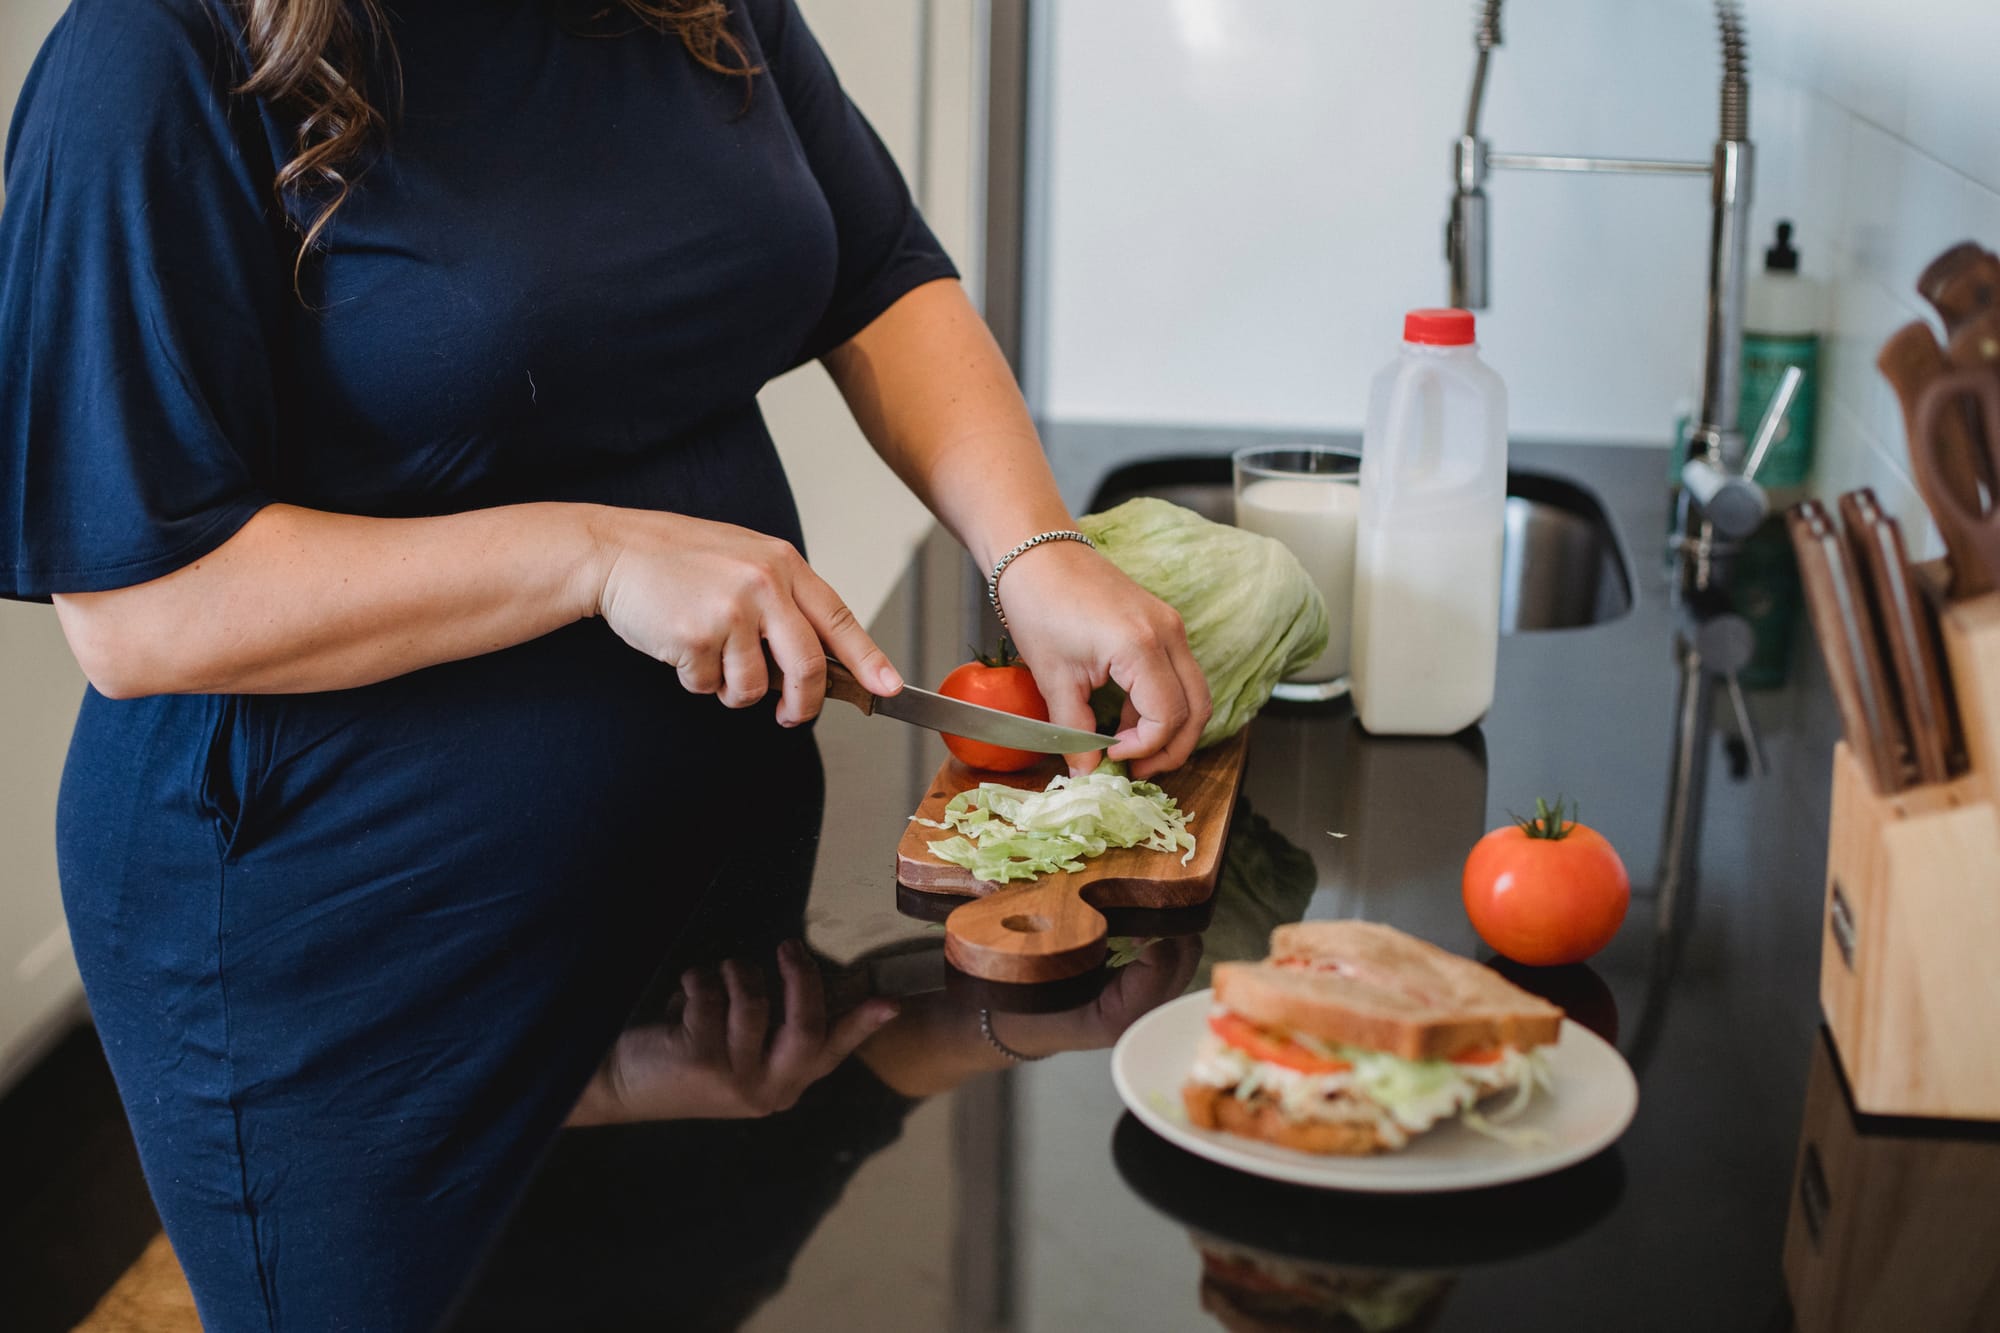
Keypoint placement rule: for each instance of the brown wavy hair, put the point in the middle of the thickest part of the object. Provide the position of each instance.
(330, 64)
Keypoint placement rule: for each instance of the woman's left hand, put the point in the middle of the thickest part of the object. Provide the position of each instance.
(1079, 621)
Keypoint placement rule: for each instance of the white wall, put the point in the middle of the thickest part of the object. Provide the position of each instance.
(1241, 197)
(39, 988)
(1881, 125)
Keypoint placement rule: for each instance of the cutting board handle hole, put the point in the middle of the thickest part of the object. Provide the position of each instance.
(1026, 925)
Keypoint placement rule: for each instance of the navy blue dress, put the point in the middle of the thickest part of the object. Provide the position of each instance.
(352, 954)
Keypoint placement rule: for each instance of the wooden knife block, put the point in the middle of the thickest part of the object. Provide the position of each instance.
(1910, 957)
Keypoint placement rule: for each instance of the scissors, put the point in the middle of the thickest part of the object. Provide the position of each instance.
(1969, 522)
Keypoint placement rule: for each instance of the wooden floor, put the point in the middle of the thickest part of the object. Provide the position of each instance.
(74, 1212)
(152, 1297)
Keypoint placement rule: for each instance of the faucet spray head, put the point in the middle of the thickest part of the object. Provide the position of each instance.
(1735, 71)
(1465, 244)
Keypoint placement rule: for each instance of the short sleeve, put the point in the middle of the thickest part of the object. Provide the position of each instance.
(885, 246)
(140, 290)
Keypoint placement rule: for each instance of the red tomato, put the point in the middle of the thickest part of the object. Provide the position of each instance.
(1546, 890)
(1263, 1044)
(1006, 685)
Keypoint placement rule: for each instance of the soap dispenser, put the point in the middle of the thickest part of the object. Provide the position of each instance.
(1782, 317)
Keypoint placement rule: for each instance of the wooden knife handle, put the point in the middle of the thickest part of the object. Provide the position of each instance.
(1906, 632)
(1039, 931)
(841, 685)
(1825, 574)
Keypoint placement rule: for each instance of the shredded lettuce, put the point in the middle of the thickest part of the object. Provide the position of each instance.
(1418, 1093)
(1007, 833)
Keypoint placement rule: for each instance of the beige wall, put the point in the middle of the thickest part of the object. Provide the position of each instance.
(39, 989)
(860, 524)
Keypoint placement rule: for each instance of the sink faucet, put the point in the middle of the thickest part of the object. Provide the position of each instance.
(1717, 439)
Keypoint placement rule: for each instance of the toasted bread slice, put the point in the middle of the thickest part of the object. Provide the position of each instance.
(1219, 1108)
(1372, 986)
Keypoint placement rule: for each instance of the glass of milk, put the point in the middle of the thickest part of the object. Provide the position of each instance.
(1307, 496)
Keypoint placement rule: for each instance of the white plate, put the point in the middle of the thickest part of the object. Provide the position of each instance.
(1594, 1101)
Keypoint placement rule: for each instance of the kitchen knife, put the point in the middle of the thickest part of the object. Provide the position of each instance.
(1906, 623)
(1951, 471)
(923, 709)
(1960, 283)
(1838, 615)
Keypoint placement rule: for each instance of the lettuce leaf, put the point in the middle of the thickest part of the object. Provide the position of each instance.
(1252, 613)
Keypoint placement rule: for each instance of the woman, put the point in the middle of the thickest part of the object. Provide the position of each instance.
(401, 561)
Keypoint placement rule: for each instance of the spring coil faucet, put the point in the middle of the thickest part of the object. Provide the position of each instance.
(1718, 436)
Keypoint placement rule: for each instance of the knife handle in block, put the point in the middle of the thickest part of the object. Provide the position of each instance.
(1833, 599)
(1907, 633)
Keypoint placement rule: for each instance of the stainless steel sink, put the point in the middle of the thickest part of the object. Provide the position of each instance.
(1561, 567)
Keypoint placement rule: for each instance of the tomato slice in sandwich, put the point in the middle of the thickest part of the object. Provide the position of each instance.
(1261, 1043)
(1485, 1055)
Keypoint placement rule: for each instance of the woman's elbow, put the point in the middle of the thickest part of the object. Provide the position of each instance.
(118, 663)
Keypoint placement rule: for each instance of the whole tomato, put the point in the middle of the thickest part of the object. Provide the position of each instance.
(1002, 683)
(1545, 890)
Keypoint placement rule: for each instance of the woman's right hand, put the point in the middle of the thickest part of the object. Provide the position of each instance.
(717, 1056)
(708, 597)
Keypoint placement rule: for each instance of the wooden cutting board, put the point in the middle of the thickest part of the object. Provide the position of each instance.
(1049, 928)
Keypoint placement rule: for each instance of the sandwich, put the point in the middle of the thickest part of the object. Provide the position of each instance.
(1353, 1038)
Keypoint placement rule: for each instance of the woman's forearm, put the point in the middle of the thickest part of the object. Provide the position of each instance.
(936, 399)
(930, 389)
(301, 600)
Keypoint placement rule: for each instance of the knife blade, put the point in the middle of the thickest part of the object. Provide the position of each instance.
(1908, 632)
(1839, 622)
(922, 708)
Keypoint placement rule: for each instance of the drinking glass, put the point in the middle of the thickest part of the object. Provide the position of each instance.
(1308, 497)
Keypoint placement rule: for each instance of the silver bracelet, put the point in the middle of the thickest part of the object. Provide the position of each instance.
(986, 1031)
(999, 568)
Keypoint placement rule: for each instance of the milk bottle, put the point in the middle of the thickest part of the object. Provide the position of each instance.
(1427, 550)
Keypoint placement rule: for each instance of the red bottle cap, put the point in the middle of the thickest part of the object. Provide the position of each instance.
(1440, 328)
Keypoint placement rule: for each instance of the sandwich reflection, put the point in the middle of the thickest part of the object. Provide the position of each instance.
(1277, 1256)
(1249, 1290)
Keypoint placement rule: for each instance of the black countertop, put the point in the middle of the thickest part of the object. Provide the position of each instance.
(1025, 1198)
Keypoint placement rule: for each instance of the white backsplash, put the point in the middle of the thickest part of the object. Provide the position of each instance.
(1241, 197)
